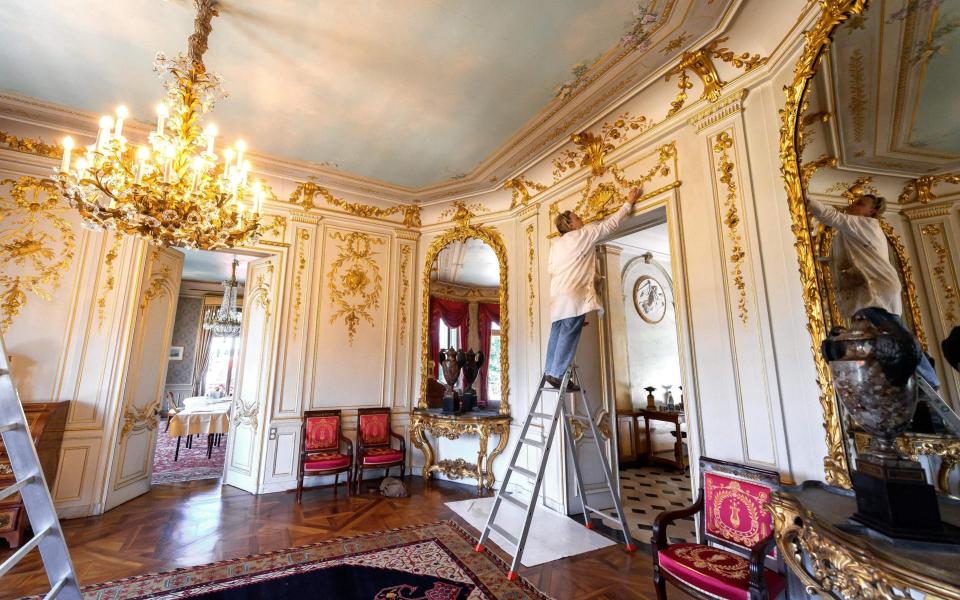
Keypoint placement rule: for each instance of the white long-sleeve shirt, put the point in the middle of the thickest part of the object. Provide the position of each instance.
(860, 261)
(572, 267)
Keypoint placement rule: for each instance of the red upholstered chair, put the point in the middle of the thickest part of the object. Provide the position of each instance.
(320, 453)
(373, 443)
(735, 540)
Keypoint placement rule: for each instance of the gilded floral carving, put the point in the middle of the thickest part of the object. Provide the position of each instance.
(354, 280)
(260, 291)
(700, 62)
(31, 146)
(942, 272)
(858, 94)
(920, 190)
(110, 278)
(305, 194)
(531, 288)
(520, 188)
(404, 291)
(731, 219)
(138, 419)
(303, 236)
(36, 245)
(592, 148)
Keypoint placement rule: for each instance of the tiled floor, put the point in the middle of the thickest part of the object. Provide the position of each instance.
(648, 491)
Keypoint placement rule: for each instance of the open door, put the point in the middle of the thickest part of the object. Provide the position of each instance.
(255, 374)
(132, 465)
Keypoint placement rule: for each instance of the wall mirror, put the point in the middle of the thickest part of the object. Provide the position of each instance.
(873, 113)
(465, 308)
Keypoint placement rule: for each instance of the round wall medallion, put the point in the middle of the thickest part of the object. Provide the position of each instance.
(649, 299)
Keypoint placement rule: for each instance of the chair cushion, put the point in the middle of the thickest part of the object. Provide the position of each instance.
(379, 456)
(374, 429)
(324, 461)
(715, 572)
(735, 510)
(323, 433)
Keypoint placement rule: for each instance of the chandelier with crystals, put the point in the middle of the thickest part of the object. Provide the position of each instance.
(174, 190)
(225, 322)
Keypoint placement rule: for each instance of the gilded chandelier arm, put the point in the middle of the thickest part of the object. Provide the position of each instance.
(202, 26)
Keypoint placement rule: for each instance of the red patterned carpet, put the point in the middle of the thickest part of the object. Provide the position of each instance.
(433, 561)
(193, 463)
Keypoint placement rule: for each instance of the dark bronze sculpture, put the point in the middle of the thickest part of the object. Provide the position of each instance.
(451, 364)
(472, 362)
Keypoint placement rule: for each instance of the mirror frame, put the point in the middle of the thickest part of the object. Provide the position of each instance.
(816, 41)
(461, 233)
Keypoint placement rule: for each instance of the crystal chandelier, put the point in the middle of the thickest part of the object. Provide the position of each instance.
(173, 191)
(226, 321)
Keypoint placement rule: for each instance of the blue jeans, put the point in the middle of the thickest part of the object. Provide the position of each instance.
(564, 337)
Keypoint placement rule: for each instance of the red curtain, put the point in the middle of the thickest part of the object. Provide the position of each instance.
(454, 314)
(488, 314)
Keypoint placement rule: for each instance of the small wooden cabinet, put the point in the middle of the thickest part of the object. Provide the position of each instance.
(46, 421)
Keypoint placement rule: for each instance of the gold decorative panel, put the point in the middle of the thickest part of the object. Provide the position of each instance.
(405, 252)
(305, 193)
(36, 244)
(943, 271)
(520, 188)
(30, 146)
(303, 236)
(730, 217)
(354, 280)
(531, 288)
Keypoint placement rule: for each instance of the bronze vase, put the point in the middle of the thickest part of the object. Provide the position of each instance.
(473, 361)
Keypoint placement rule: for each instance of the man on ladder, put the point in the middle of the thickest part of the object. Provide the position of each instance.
(572, 296)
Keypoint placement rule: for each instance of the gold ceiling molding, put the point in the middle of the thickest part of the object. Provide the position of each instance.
(920, 190)
(354, 280)
(30, 146)
(305, 193)
(520, 188)
(726, 106)
(531, 256)
(700, 62)
(452, 291)
(592, 148)
(303, 236)
(943, 271)
(405, 251)
(731, 219)
(858, 94)
(461, 213)
(36, 245)
(926, 212)
(817, 39)
(110, 277)
(676, 43)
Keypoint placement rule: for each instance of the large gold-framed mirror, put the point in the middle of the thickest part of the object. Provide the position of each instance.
(871, 113)
(464, 306)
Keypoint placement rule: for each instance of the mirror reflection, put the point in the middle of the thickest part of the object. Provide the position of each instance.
(881, 163)
(464, 328)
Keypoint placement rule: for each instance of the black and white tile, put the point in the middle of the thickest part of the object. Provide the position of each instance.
(645, 492)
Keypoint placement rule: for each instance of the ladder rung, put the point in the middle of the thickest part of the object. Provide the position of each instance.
(56, 588)
(9, 427)
(523, 471)
(536, 443)
(592, 488)
(580, 418)
(540, 415)
(13, 489)
(23, 551)
(513, 500)
(603, 515)
(505, 534)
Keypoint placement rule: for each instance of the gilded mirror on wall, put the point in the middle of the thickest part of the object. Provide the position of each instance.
(871, 156)
(464, 308)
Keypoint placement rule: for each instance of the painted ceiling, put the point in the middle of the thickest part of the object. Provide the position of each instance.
(212, 267)
(895, 89)
(470, 264)
(405, 92)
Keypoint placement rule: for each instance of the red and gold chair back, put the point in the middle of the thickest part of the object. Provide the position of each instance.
(734, 503)
(374, 428)
(323, 431)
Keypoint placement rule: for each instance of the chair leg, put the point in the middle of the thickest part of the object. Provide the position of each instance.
(336, 483)
(176, 455)
(299, 487)
(168, 424)
(659, 583)
(403, 468)
(350, 481)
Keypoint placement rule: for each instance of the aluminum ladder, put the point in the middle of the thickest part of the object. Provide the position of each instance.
(30, 483)
(939, 405)
(560, 413)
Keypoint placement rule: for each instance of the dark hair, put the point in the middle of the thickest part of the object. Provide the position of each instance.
(879, 203)
(563, 221)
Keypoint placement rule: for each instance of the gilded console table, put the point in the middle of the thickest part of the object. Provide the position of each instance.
(451, 426)
(836, 558)
(915, 445)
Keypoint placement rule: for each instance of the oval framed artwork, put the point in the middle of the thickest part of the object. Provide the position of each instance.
(649, 299)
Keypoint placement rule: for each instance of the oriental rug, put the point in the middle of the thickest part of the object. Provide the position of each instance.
(193, 463)
(434, 561)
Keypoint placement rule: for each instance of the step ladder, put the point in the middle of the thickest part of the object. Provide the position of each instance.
(939, 405)
(47, 536)
(560, 414)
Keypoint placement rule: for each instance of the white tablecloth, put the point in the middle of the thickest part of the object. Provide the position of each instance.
(214, 418)
(203, 402)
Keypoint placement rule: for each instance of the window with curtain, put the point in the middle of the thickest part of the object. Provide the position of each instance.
(493, 364)
(221, 370)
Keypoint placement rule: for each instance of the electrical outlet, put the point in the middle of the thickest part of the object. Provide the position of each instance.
(273, 433)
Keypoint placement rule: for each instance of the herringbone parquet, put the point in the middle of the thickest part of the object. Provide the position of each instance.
(197, 522)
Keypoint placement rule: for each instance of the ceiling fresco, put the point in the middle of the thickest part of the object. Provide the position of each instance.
(404, 92)
(471, 263)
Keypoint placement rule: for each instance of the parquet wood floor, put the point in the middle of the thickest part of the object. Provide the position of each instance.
(197, 522)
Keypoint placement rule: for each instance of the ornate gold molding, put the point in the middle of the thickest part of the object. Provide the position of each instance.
(451, 291)
(245, 415)
(30, 146)
(934, 233)
(259, 293)
(817, 39)
(138, 419)
(531, 289)
(452, 427)
(520, 188)
(110, 276)
(857, 104)
(736, 254)
(463, 231)
(926, 211)
(591, 149)
(405, 251)
(36, 245)
(354, 280)
(809, 168)
(700, 62)
(305, 193)
(920, 190)
(303, 236)
(156, 286)
(726, 106)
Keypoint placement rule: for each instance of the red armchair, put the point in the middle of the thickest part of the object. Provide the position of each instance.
(373, 443)
(320, 454)
(735, 540)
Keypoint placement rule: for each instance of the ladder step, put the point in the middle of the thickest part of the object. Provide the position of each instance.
(23, 551)
(595, 487)
(522, 471)
(536, 443)
(507, 535)
(55, 590)
(539, 415)
(580, 418)
(513, 500)
(603, 515)
(13, 489)
(9, 427)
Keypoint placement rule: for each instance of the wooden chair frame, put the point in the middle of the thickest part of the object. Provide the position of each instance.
(307, 414)
(757, 554)
(361, 447)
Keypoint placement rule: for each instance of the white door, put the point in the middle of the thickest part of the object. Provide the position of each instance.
(255, 374)
(132, 465)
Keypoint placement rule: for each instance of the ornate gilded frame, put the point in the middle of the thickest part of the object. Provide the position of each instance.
(817, 40)
(461, 233)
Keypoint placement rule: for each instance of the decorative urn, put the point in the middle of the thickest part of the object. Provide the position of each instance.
(451, 365)
(472, 362)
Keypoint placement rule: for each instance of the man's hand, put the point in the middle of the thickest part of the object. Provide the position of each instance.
(634, 195)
